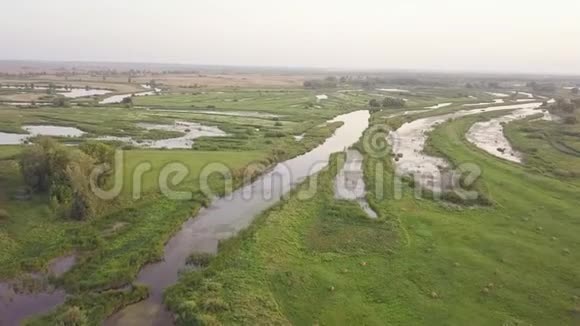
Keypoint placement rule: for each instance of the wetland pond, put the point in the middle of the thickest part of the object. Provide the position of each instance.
(38, 130)
(34, 295)
(66, 92)
(191, 132)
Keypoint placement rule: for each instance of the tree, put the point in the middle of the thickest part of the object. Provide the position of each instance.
(391, 102)
(100, 152)
(35, 169)
(61, 102)
(373, 103)
(64, 174)
(127, 101)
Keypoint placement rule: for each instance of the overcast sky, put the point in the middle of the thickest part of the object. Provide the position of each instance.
(491, 35)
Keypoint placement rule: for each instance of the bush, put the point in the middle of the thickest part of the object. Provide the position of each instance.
(63, 173)
(391, 102)
(570, 120)
(208, 320)
(275, 134)
(214, 305)
(200, 259)
(73, 316)
(4, 214)
(373, 103)
(60, 102)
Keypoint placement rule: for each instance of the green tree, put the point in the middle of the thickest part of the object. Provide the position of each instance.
(373, 103)
(64, 174)
(60, 102)
(391, 102)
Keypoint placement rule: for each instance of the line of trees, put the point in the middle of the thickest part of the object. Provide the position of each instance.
(64, 174)
(328, 82)
(387, 102)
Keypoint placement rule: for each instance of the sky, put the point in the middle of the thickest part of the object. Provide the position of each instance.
(445, 35)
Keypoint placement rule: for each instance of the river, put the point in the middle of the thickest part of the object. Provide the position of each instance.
(227, 216)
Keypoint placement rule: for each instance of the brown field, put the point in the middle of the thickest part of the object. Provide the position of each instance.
(116, 75)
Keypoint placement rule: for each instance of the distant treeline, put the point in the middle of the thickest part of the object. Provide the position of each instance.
(368, 82)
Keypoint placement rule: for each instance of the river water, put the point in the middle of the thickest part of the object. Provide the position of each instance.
(227, 216)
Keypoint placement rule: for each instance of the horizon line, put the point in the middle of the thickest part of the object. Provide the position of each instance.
(306, 67)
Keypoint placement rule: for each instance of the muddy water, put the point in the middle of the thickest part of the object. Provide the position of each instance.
(489, 135)
(393, 90)
(67, 92)
(497, 101)
(39, 130)
(192, 131)
(529, 95)
(498, 94)
(119, 98)
(227, 216)
(321, 97)
(409, 140)
(349, 183)
(438, 106)
(82, 92)
(299, 137)
(17, 303)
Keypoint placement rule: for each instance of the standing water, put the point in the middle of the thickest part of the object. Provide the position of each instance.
(18, 303)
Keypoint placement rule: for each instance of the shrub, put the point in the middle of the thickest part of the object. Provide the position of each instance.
(208, 320)
(214, 305)
(391, 102)
(200, 259)
(570, 120)
(73, 316)
(4, 214)
(63, 173)
(275, 134)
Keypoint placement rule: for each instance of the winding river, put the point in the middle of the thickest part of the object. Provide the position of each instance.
(408, 143)
(227, 216)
